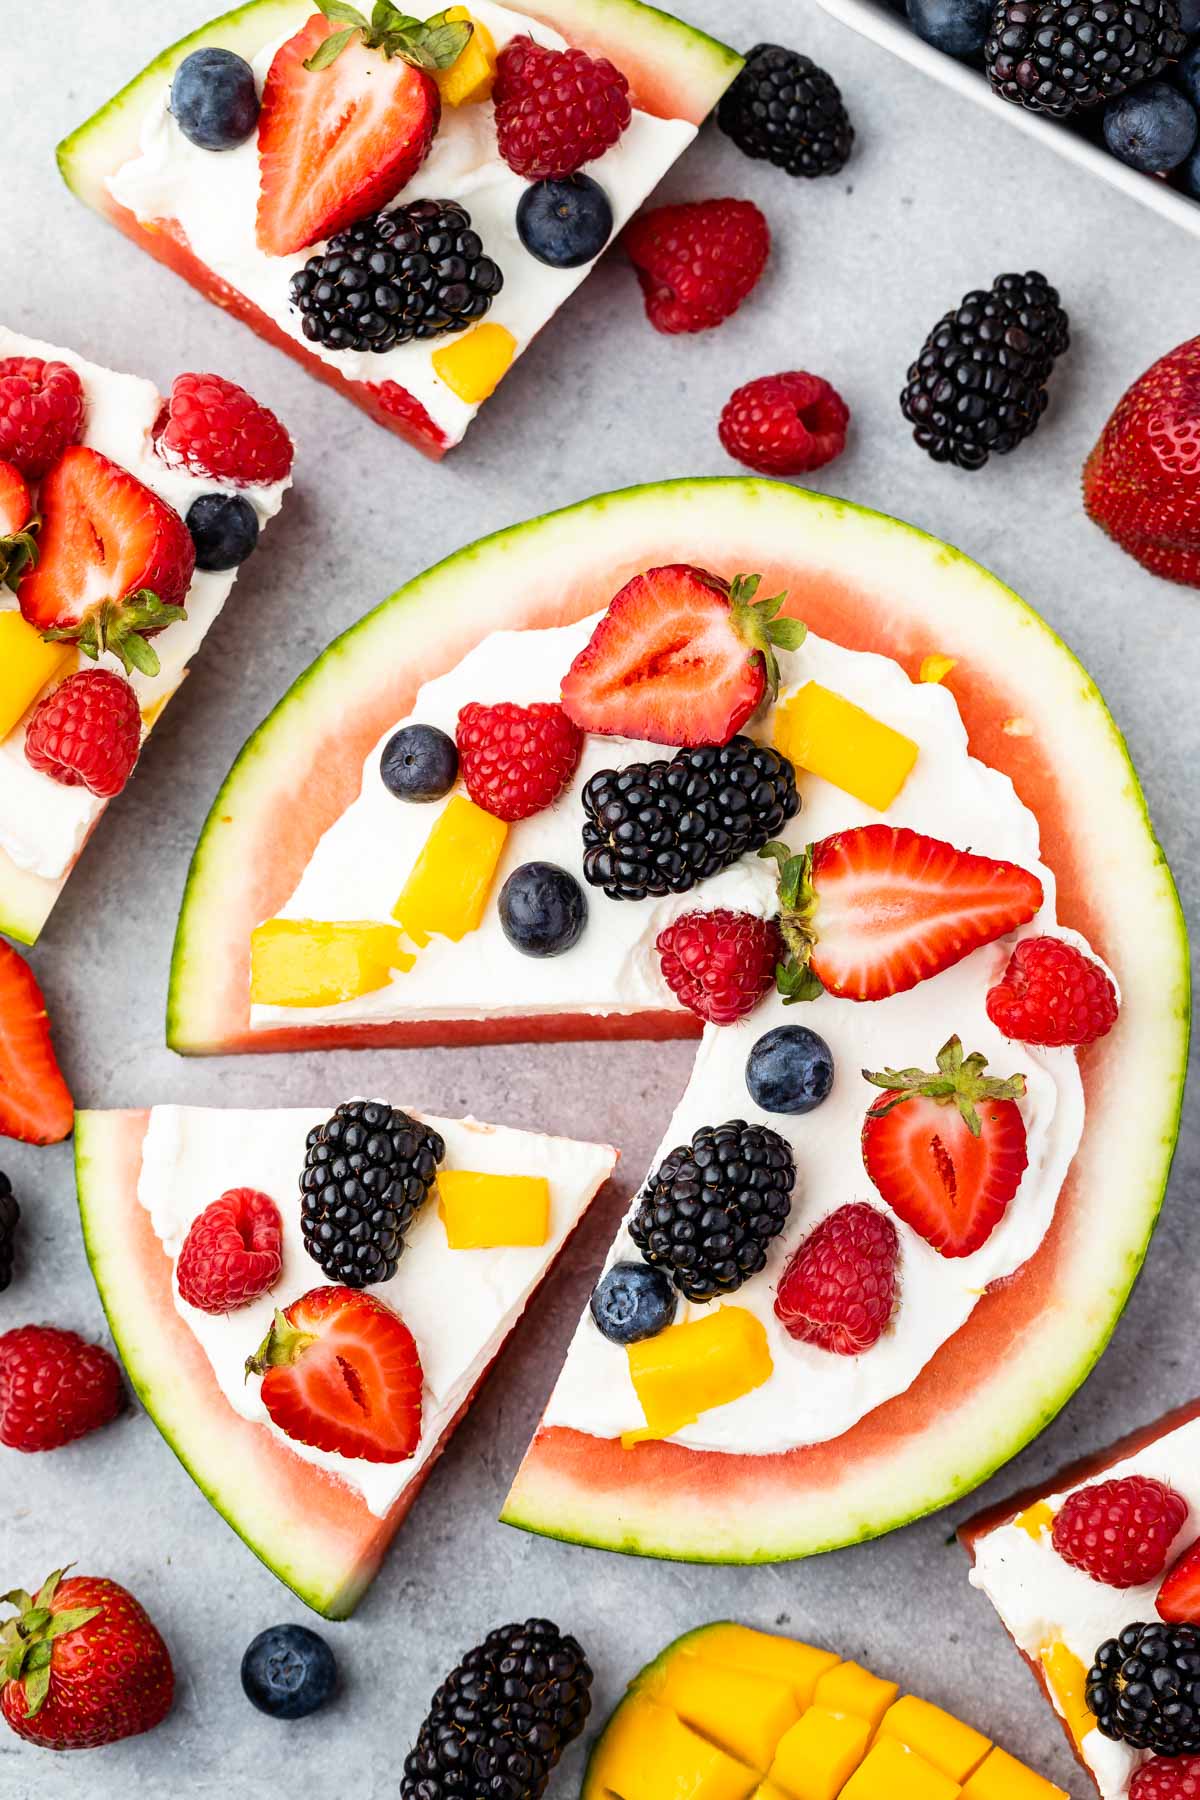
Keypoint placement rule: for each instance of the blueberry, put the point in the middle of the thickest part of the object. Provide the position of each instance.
(1189, 174)
(224, 529)
(958, 27)
(542, 909)
(789, 1070)
(1186, 74)
(1189, 15)
(214, 100)
(288, 1671)
(633, 1301)
(565, 223)
(1151, 128)
(419, 762)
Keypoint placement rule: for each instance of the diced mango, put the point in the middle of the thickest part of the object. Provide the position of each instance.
(688, 1369)
(473, 76)
(1001, 1777)
(852, 1689)
(935, 668)
(829, 736)
(452, 877)
(943, 1740)
(819, 1754)
(473, 366)
(1067, 1679)
(648, 1753)
(27, 663)
(1035, 1520)
(315, 962)
(744, 1713)
(759, 1652)
(890, 1771)
(484, 1212)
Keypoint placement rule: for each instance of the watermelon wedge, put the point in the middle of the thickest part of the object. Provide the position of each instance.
(302, 1515)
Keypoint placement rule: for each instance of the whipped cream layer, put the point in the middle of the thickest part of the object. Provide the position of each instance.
(1042, 1600)
(43, 824)
(213, 196)
(460, 1305)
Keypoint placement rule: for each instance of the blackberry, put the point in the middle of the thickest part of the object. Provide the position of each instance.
(418, 271)
(367, 1171)
(501, 1720)
(713, 1206)
(1144, 1688)
(661, 827)
(979, 384)
(1059, 56)
(785, 110)
(10, 1212)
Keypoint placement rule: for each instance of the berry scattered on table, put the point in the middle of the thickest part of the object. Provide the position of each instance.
(543, 909)
(1051, 993)
(556, 109)
(1186, 73)
(1143, 1688)
(214, 100)
(1058, 56)
(10, 1218)
(1153, 128)
(1167, 1778)
(1178, 1600)
(979, 384)
(87, 732)
(719, 964)
(516, 760)
(787, 424)
(35, 1102)
(367, 1172)
(108, 1675)
(789, 1070)
(233, 1252)
(633, 1301)
(288, 1672)
(697, 261)
(18, 527)
(839, 1288)
(1141, 481)
(713, 1206)
(54, 1387)
(214, 427)
(784, 110)
(957, 27)
(565, 223)
(662, 827)
(1119, 1532)
(224, 529)
(41, 412)
(419, 763)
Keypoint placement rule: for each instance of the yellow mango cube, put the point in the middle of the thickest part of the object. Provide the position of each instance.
(744, 1713)
(448, 888)
(1035, 1520)
(1001, 1777)
(691, 1368)
(761, 1653)
(943, 1740)
(486, 1212)
(852, 1689)
(816, 1758)
(935, 668)
(27, 664)
(472, 77)
(315, 962)
(890, 1771)
(829, 736)
(648, 1753)
(1067, 1679)
(473, 366)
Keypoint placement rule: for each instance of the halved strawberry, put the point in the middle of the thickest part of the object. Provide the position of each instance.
(35, 1103)
(1178, 1599)
(114, 560)
(873, 911)
(680, 657)
(341, 1372)
(18, 544)
(947, 1150)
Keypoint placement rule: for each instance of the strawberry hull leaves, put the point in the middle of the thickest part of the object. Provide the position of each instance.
(18, 552)
(434, 43)
(27, 1640)
(794, 978)
(118, 627)
(959, 1079)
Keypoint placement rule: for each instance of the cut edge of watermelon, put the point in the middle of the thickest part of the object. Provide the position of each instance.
(26, 900)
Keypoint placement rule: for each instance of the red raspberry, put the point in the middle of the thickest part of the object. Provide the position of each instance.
(216, 428)
(41, 412)
(839, 1289)
(516, 760)
(54, 1387)
(720, 963)
(785, 424)
(1167, 1778)
(697, 263)
(1119, 1532)
(233, 1252)
(1051, 993)
(556, 109)
(87, 732)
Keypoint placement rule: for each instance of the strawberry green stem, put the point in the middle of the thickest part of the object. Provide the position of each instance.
(958, 1081)
(283, 1345)
(26, 1641)
(117, 627)
(794, 978)
(433, 43)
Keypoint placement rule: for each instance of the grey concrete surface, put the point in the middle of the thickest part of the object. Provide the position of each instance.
(936, 200)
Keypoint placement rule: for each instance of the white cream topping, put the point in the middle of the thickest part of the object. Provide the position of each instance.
(460, 1305)
(1043, 1600)
(214, 196)
(43, 824)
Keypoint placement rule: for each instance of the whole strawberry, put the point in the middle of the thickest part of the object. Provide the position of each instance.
(556, 109)
(787, 424)
(1051, 993)
(54, 1387)
(516, 760)
(41, 412)
(107, 1674)
(214, 427)
(233, 1252)
(1141, 483)
(720, 964)
(839, 1288)
(697, 262)
(1167, 1778)
(87, 732)
(1119, 1532)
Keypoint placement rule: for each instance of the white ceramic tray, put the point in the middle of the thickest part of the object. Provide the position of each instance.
(877, 21)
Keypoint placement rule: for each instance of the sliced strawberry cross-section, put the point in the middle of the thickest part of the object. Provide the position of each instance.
(18, 527)
(1178, 1599)
(35, 1104)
